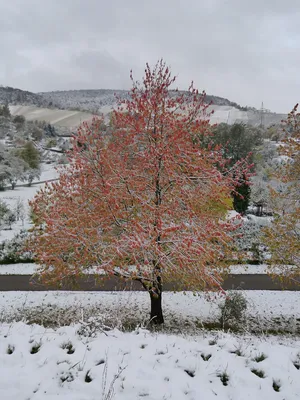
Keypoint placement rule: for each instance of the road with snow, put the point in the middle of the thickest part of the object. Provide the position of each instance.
(91, 283)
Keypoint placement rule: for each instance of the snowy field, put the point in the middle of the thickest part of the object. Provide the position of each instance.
(72, 119)
(65, 118)
(41, 363)
(276, 311)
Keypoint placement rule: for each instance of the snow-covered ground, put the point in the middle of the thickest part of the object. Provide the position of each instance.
(30, 269)
(65, 118)
(24, 194)
(40, 363)
(73, 118)
(266, 310)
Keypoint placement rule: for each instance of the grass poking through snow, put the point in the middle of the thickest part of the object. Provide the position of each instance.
(258, 372)
(260, 357)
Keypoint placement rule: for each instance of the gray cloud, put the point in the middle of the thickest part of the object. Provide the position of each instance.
(245, 51)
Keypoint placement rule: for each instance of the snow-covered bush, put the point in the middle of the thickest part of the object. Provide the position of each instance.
(4, 209)
(7, 216)
(248, 237)
(12, 251)
(233, 309)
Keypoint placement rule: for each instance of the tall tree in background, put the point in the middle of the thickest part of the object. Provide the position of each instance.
(238, 142)
(283, 236)
(30, 154)
(147, 203)
(241, 196)
(5, 111)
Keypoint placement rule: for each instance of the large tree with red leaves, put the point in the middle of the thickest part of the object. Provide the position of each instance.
(145, 202)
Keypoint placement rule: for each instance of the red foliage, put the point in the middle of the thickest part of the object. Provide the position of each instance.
(146, 201)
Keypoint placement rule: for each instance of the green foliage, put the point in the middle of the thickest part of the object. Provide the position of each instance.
(51, 143)
(30, 154)
(19, 119)
(4, 209)
(36, 133)
(5, 111)
(224, 377)
(49, 130)
(238, 140)
(241, 197)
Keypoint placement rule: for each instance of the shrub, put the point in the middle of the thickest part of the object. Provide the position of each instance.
(233, 309)
(12, 251)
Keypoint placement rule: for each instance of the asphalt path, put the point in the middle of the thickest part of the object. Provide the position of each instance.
(92, 283)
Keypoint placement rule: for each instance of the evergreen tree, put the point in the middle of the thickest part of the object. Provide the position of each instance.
(31, 155)
(241, 196)
(6, 111)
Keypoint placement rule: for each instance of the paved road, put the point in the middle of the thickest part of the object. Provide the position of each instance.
(90, 283)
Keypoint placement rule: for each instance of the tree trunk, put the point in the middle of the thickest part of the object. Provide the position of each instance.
(156, 315)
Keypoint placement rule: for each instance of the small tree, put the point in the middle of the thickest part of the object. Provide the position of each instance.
(30, 174)
(5, 175)
(283, 236)
(238, 140)
(4, 209)
(5, 111)
(17, 168)
(19, 210)
(9, 218)
(30, 154)
(146, 203)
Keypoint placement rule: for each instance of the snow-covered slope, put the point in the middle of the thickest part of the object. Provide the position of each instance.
(72, 119)
(66, 118)
(70, 108)
(38, 363)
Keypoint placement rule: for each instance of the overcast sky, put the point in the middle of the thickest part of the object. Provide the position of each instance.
(245, 50)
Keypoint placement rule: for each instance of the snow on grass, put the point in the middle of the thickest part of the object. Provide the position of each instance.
(18, 269)
(277, 311)
(36, 363)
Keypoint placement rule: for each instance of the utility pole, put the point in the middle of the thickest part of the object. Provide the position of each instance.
(262, 115)
(228, 117)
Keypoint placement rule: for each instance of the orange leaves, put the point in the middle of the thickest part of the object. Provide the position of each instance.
(282, 237)
(147, 195)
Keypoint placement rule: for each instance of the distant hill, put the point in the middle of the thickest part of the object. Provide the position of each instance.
(21, 97)
(83, 100)
(70, 108)
(94, 100)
